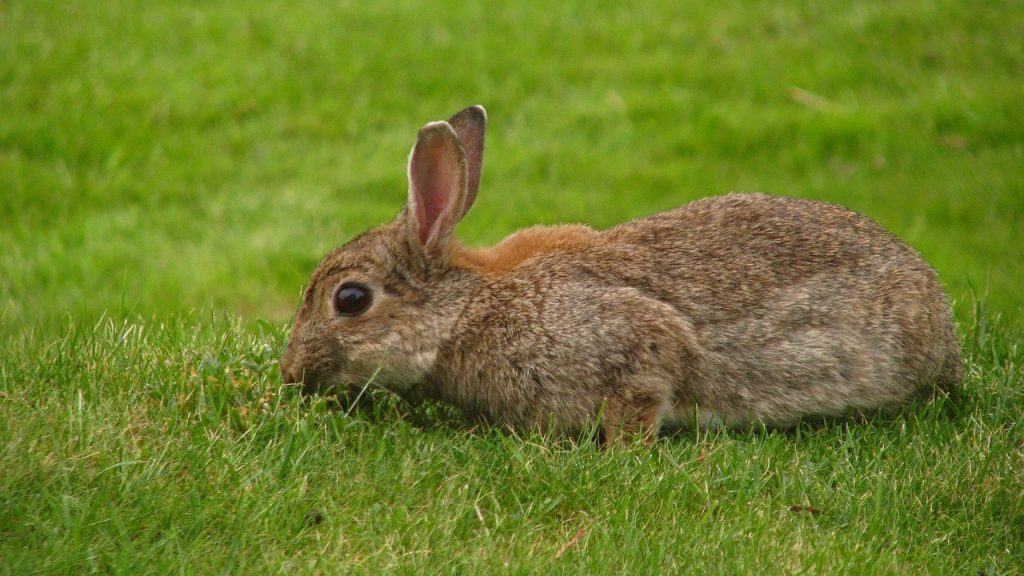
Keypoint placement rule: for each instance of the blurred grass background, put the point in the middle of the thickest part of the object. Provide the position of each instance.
(159, 157)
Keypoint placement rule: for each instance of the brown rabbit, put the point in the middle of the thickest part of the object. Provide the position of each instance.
(730, 310)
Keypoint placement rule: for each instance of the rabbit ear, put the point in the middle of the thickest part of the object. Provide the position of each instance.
(437, 186)
(470, 125)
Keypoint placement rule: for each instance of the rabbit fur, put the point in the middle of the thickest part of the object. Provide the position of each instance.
(731, 310)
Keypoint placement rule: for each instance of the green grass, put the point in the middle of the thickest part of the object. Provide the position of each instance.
(160, 158)
(143, 447)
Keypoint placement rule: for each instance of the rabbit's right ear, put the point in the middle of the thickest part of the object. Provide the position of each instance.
(470, 125)
(437, 188)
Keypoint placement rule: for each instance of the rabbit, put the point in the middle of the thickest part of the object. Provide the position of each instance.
(736, 310)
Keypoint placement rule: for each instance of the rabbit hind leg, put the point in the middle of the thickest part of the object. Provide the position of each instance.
(636, 410)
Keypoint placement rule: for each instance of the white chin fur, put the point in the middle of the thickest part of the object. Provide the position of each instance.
(398, 375)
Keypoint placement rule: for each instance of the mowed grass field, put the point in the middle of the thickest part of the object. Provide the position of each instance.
(171, 172)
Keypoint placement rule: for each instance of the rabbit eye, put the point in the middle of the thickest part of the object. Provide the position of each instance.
(352, 299)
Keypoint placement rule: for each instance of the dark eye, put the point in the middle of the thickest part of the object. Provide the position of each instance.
(352, 299)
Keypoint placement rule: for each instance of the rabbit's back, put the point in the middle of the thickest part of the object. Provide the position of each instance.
(799, 307)
(726, 256)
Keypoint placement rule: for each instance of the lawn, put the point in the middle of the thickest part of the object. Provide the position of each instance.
(171, 172)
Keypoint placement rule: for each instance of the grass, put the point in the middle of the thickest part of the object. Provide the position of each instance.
(204, 464)
(161, 158)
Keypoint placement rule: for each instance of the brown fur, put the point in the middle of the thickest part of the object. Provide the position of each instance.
(729, 310)
(514, 250)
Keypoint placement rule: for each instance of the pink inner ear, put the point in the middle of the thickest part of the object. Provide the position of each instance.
(435, 180)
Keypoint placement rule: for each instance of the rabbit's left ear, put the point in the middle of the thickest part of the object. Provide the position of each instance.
(470, 124)
(437, 188)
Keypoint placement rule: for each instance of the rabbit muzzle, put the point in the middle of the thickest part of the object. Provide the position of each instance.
(316, 361)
